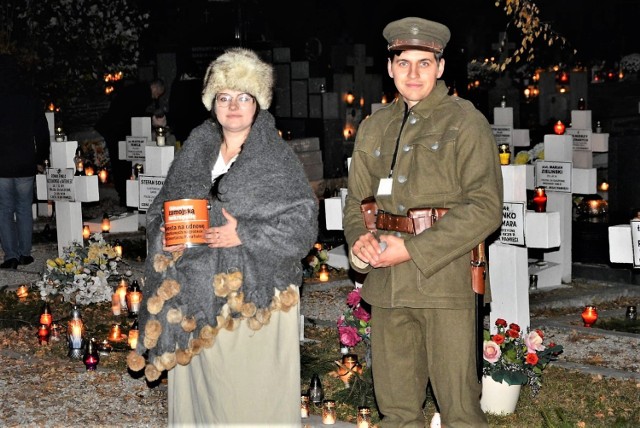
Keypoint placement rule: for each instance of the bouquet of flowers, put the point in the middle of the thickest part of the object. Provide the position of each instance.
(81, 275)
(530, 156)
(630, 63)
(515, 357)
(312, 262)
(353, 324)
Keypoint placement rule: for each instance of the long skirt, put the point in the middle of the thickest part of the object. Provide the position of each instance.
(246, 379)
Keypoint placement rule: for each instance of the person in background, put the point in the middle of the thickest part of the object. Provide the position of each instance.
(185, 106)
(426, 149)
(222, 318)
(139, 99)
(24, 145)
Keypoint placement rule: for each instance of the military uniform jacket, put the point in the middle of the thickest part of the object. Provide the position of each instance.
(447, 157)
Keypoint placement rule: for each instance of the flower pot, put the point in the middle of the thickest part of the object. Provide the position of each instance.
(499, 397)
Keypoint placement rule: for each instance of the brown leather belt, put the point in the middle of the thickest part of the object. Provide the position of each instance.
(397, 223)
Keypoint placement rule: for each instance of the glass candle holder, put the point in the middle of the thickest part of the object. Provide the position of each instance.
(45, 316)
(632, 313)
(86, 232)
(43, 334)
(304, 406)
(123, 286)
(323, 274)
(91, 356)
(115, 304)
(589, 315)
(75, 333)
(134, 298)
(106, 223)
(316, 392)
(505, 154)
(539, 200)
(329, 412)
(103, 175)
(134, 333)
(22, 292)
(115, 334)
(363, 420)
(117, 247)
(559, 128)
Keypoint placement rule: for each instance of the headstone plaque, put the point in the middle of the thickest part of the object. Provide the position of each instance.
(149, 187)
(554, 176)
(512, 231)
(60, 184)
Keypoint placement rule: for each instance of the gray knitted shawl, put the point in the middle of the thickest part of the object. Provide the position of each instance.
(267, 191)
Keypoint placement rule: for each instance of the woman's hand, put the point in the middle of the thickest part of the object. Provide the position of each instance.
(225, 236)
(172, 248)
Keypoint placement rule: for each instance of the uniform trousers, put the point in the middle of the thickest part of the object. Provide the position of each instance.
(412, 346)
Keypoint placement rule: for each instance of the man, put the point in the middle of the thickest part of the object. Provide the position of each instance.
(24, 144)
(426, 149)
(134, 100)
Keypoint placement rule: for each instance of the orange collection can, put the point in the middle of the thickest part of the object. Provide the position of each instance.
(185, 221)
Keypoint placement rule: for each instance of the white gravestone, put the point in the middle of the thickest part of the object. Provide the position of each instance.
(67, 192)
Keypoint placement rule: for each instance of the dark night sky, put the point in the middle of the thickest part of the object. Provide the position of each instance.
(598, 30)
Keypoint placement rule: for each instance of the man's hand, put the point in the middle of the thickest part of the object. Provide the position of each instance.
(388, 251)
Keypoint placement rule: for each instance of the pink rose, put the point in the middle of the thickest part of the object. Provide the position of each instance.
(534, 342)
(353, 298)
(348, 336)
(491, 351)
(361, 314)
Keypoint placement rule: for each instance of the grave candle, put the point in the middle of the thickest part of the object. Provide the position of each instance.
(55, 332)
(329, 412)
(43, 334)
(91, 356)
(88, 170)
(117, 247)
(115, 303)
(160, 136)
(105, 347)
(134, 297)
(589, 315)
(540, 200)
(102, 176)
(304, 406)
(86, 232)
(22, 292)
(75, 331)
(505, 154)
(364, 417)
(133, 335)
(559, 128)
(323, 274)
(106, 223)
(45, 316)
(123, 285)
(115, 334)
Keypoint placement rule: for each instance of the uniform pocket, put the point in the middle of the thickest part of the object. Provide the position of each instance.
(433, 166)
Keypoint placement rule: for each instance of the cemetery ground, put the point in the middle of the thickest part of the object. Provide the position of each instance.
(594, 383)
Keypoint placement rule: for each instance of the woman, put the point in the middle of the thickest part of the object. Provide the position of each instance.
(223, 318)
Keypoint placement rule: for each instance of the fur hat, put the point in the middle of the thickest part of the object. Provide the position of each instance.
(239, 69)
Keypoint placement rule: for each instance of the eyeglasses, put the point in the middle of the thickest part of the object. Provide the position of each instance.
(242, 100)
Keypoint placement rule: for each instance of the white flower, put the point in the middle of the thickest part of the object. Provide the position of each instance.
(630, 63)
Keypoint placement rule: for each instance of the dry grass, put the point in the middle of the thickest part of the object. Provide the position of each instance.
(567, 399)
